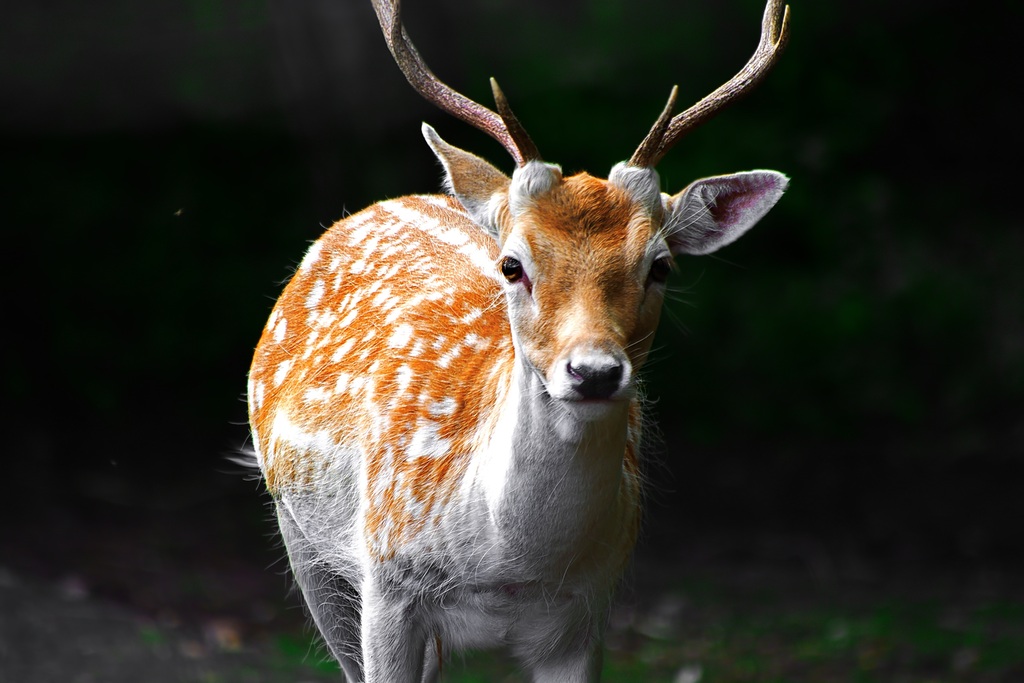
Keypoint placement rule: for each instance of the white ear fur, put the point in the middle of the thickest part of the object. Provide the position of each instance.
(475, 183)
(713, 212)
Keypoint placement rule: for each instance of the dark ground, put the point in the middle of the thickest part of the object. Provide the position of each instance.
(179, 583)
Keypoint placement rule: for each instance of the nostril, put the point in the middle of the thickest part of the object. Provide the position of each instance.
(573, 372)
(595, 378)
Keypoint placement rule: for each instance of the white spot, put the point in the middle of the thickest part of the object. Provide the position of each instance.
(255, 394)
(389, 253)
(403, 378)
(452, 236)
(387, 272)
(412, 216)
(361, 226)
(357, 266)
(446, 360)
(311, 341)
(435, 200)
(370, 246)
(284, 430)
(282, 372)
(481, 258)
(396, 311)
(316, 395)
(315, 294)
(342, 385)
(443, 408)
(392, 228)
(311, 256)
(475, 341)
(280, 329)
(351, 301)
(413, 507)
(427, 442)
(345, 347)
(401, 336)
(326, 320)
(382, 296)
(347, 320)
(471, 316)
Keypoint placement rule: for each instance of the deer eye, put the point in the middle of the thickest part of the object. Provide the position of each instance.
(511, 268)
(660, 270)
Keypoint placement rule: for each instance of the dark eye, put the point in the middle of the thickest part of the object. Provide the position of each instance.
(511, 268)
(660, 270)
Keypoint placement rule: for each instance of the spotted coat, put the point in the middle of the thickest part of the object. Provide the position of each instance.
(391, 343)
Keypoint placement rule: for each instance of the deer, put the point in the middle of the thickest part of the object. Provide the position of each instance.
(444, 403)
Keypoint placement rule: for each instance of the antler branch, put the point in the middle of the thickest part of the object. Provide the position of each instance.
(774, 34)
(502, 126)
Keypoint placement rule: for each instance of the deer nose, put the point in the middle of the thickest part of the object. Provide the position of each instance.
(596, 375)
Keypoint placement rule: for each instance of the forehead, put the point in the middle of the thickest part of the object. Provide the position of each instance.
(584, 213)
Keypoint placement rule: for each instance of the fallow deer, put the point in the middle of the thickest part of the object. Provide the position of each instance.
(444, 401)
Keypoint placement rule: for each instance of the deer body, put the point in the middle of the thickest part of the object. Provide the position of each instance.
(444, 401)
(477, 493)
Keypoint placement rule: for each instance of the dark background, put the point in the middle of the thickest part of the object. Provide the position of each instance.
(851, 372)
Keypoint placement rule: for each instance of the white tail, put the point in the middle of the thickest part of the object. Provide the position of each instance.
(444, 401)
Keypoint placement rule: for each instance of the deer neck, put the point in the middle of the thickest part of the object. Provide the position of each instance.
(553, 484)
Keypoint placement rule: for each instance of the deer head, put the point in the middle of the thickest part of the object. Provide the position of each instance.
(584, 260)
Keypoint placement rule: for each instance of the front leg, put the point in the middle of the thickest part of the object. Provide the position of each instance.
(394, 640)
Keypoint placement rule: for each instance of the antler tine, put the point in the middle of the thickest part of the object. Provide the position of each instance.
(774, 35)
(645, 152)
(503, 126)
(519, 136)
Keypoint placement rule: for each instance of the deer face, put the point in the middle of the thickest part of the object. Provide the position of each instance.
(584, 267)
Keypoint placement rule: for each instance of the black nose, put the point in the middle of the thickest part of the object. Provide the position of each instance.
(595, 378)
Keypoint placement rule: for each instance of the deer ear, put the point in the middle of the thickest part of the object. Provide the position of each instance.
(477, 185)
(713, 212)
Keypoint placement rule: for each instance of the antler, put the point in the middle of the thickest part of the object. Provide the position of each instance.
(664, 134)
(502, 126)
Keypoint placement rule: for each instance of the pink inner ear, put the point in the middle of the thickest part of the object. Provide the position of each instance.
(729, 210)
(737, 197)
